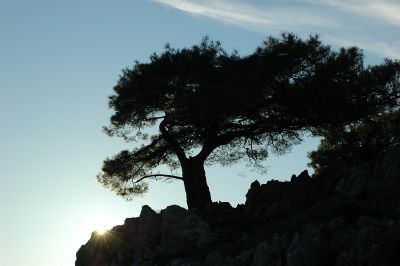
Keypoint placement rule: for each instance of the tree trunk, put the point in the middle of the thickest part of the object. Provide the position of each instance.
(194, 178)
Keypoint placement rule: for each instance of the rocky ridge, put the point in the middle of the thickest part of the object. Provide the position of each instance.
(346, 217)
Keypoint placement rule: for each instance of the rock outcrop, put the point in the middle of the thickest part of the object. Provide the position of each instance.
(348, 218)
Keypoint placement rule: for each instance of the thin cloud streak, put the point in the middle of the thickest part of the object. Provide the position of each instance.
(215, 10)
(250, 16)
(386, 10)
(313, 16)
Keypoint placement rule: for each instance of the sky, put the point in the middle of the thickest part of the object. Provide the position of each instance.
(59, 61)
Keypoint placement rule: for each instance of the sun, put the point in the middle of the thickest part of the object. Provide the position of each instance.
(101, 230)
(99, 223)
(90, 223)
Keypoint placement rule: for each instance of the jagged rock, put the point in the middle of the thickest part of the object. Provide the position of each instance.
(355, 184)
(182, 262)
(147, 234)
(347, 220)
(183, 231)
(366, 222)
(302, 177)
(215, 259)
(99, 252)
(336, 224)
(304, 249)
(221, 214)
(245, 257)
(271, 252)
(362, 247)
(373, 177)
(340, 240)
(252, 195)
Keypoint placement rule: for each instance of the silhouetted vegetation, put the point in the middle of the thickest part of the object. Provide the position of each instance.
(202, 105)
(354, 144)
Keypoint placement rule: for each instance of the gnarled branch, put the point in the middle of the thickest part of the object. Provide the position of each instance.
(155, 175)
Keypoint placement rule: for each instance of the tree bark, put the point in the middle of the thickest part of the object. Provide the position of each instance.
(194, 179)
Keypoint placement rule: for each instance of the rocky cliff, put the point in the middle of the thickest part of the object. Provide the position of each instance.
(346, 217)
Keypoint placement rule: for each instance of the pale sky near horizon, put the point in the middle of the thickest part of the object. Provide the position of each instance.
(59, 61)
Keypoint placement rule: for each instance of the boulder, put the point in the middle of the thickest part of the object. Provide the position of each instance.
(182, 232)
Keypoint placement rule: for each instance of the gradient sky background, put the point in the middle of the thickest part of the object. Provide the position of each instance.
(59, 61)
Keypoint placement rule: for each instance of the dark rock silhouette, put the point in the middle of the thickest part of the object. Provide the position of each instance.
(343, 218)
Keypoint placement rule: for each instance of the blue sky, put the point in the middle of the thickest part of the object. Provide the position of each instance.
(58, 63)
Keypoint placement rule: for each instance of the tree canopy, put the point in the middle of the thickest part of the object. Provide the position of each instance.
(200, 105)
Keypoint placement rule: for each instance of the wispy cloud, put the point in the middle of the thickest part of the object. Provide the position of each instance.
(252, 16)
(385, 10)
(368, 24)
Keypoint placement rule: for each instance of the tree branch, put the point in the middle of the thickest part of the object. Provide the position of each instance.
(154, 118)
(171, 141)
(155, 175)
